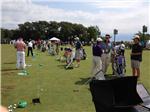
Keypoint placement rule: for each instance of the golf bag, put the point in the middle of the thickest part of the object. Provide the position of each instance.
(119, 64)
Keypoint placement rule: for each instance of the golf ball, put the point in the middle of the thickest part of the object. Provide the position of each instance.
(10, 110)
(15, 104)
(10, 106)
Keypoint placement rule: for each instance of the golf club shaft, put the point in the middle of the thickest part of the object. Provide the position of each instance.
(89, 80)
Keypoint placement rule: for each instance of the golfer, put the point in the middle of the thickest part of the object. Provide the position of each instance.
(136, 56)
(30, 47)
(106, 53)
(20, 46)
(78, 47)
(97, 52)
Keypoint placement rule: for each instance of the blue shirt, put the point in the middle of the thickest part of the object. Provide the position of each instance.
(97, 50)
(106, 48)
(78, 45)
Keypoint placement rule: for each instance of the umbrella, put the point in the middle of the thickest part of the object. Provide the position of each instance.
(54, 39)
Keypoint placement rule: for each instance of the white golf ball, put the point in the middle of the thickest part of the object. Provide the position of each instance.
(15, 104)
(10, 106)
(10, 110)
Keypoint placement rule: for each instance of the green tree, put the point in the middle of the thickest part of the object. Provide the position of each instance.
(93, 32)
(143, 37)
(65, 31)
(6, 34)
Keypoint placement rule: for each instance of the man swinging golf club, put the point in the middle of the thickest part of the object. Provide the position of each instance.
(96, 72)
(97, 52)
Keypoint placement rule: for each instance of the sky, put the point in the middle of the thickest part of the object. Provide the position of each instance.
(128, 16)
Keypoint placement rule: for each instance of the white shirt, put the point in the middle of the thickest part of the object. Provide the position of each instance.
(117, 47)
(30, 44)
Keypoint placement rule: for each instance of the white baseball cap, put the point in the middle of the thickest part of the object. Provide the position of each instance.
(99, 39)
(77, 38)
(136, 37)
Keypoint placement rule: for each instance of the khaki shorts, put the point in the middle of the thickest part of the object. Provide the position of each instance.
(78, 54)
(135, 64)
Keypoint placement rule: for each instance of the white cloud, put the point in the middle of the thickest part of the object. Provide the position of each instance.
(19, 11)
(126, 22)
(119, 3)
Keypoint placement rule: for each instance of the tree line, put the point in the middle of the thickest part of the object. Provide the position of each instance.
(44, 30)
(65, 31)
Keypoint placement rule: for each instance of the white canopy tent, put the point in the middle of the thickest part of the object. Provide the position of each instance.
(54, 39)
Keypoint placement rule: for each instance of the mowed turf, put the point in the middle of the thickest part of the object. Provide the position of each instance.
(56, 86)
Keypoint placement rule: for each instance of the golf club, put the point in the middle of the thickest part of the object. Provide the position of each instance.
(98, 76)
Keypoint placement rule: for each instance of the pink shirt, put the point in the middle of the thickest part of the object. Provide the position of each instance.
(20, 45)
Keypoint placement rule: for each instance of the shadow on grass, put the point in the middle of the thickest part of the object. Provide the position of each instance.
(82, 81)
(61, 66)
(9, 69)
(7, 73)
(110, 76)
(10, 63)
(7, 88)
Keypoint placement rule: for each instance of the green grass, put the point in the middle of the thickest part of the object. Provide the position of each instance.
(54, 84)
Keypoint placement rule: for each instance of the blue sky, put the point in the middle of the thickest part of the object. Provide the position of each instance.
(128, 16)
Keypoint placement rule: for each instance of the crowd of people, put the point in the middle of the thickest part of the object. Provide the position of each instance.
(104, 53)
(53, 47)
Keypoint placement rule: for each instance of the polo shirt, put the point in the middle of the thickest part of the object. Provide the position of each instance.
(136, 48)
(97, 50)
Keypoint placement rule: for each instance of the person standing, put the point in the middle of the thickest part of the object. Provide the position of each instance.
(57, 48)
(20, 46)
(136, 56)
(78, 47)
(97, 52)
(30, 48)
(106, 53)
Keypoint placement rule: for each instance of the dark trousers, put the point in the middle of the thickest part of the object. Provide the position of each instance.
(30, 50)
(122, 52)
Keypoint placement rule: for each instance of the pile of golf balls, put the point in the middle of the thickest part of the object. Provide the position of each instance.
(11, 108)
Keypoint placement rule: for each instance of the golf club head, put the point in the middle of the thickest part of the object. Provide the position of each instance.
(100, 76)
(69, 67)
